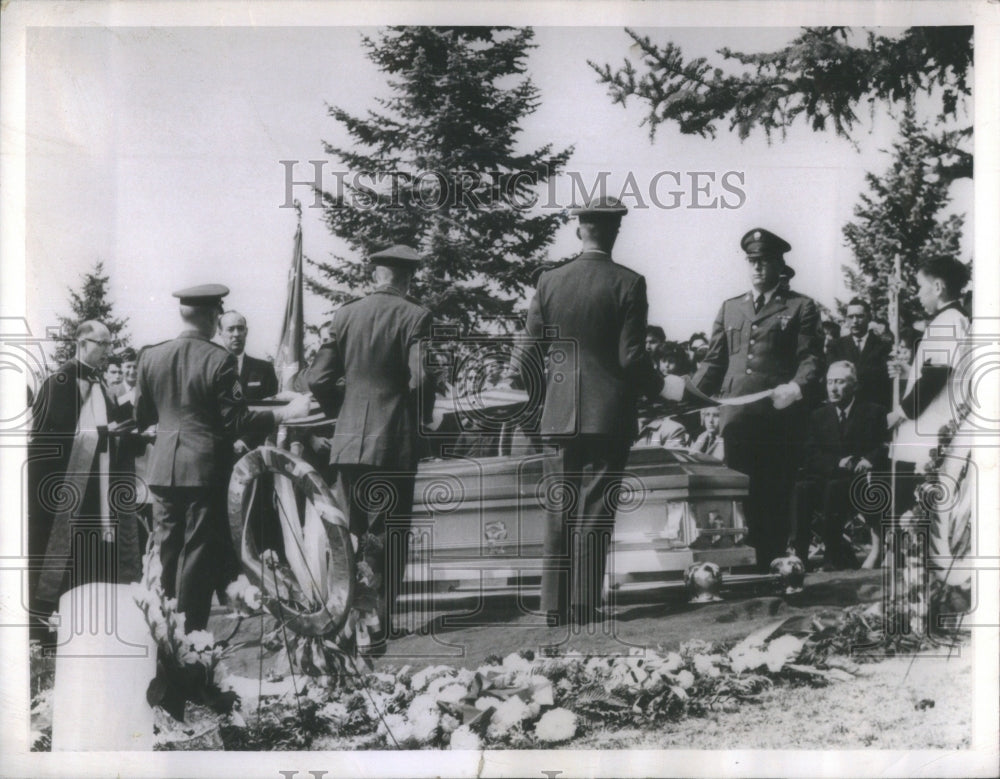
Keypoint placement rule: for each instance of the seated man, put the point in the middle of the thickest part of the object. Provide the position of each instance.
(845, 442)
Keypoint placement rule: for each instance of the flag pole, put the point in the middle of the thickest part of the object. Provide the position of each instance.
(894, 287)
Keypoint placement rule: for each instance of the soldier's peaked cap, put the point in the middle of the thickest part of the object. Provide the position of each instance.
(202, 295)
(601, 208)
(759, 242)
(400, 256)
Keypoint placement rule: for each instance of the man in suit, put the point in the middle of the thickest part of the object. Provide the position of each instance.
(190, 390)
(257, 377)
(74, 466)
(586, 332)
(765, 339)
(845, 442)
(370, 375)
(710, 442)
(867, 352)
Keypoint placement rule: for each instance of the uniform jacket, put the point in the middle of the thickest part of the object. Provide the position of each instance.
(751, 352)
(189, 389)
(874, 385)
(373, 361)
(864, 435)
(257, 378)
(933, 391)
(587, 330)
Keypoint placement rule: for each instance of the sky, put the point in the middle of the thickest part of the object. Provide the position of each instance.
(156, 150)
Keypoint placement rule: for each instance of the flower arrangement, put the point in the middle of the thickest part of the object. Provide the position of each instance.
(529, 701)
(187, 663)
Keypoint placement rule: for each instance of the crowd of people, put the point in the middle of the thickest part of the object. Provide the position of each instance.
(805, 411)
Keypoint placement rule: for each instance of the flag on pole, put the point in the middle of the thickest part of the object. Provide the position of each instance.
(290, 356)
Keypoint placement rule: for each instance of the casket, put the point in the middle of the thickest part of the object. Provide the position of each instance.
(479, 522)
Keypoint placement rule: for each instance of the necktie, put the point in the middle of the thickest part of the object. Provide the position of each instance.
(758, 304)
(709, 442)
(842, 416)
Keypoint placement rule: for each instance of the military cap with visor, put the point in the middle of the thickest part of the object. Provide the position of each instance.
(398, 256)
(600, 209)
(202, 295)
(763, 243)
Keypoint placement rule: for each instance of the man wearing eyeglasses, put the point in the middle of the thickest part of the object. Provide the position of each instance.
(75, 535)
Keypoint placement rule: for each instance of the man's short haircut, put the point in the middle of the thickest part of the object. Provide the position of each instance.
(86, 329)
(601, 231)
(852, 372)
(832, 327)
(656, 331)
(392, 274)
(112, 360)
(953, 273)
(200, 314)
(128, 354)
(860, 302)
(697, 337)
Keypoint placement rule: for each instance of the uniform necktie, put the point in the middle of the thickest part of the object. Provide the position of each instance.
(758, 303)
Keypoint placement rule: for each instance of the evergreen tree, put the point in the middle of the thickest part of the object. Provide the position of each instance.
(91, 302)
(439, 169)
(901, 212)
(824, 75)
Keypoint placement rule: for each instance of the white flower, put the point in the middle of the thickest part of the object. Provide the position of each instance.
(703, 665)
(438, 684)
(508, 715)
(464, 738)
(487, 702)
(747, 659)
(514, 662)
(421, 678)
(685, 678)
(453, 693)
(781, 650)
(449, 723)
(596, 666)
(425, 717)
(201, 640)
(398, 726)
(335, 711)
(235, 589)
(556, 725)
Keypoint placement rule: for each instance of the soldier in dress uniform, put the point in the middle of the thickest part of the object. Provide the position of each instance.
(765, 339)
(587, 325)
(369, 374)
(189, 389)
